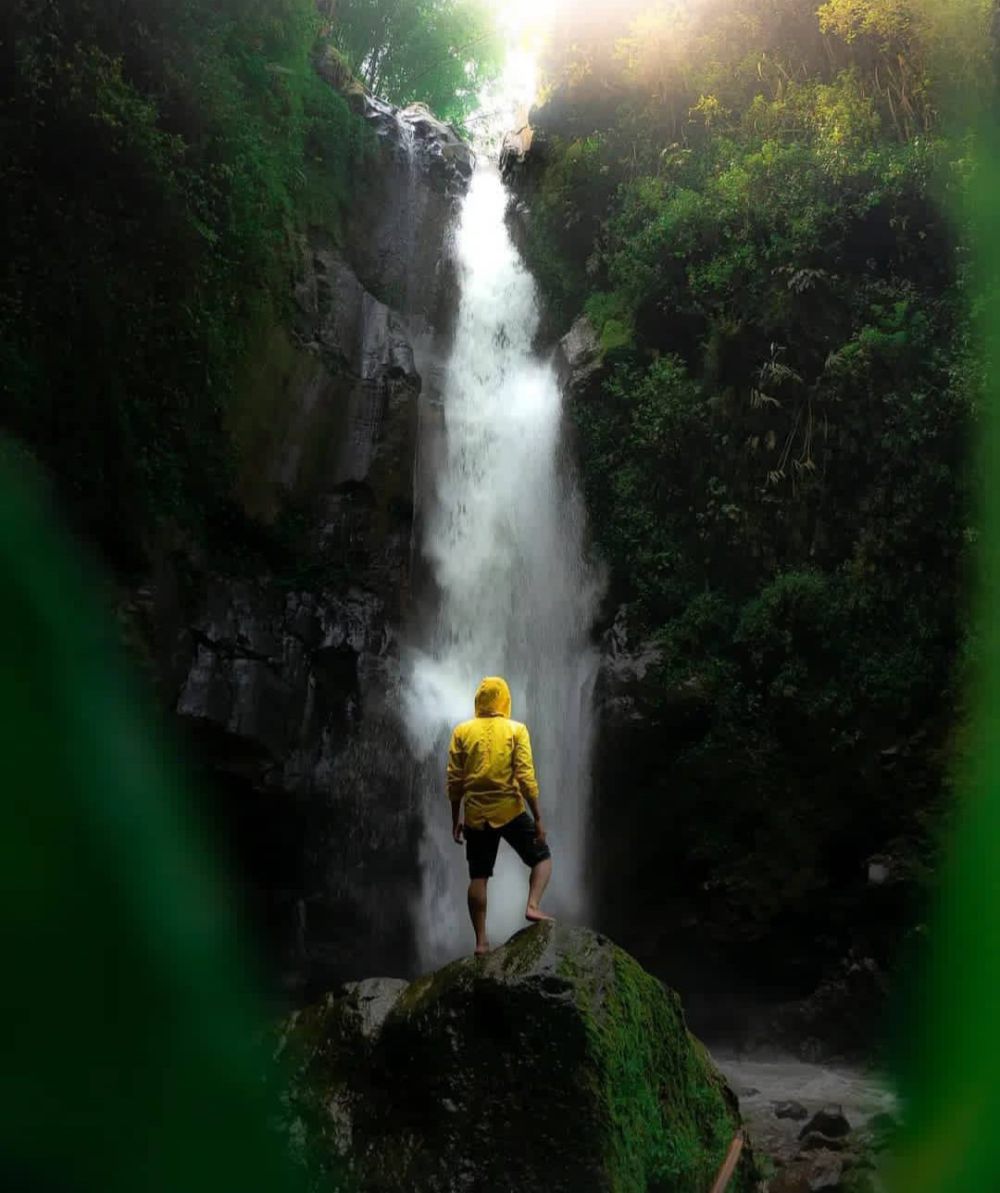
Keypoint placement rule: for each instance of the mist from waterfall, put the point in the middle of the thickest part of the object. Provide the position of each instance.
(503, 538)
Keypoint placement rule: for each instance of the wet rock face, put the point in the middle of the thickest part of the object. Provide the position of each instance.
(291, 696)
(580, 358)
(358, 433)
(554, 1064)
(288, 685)
(349, 326)
(273, 671)
(285, 698)
(625, 661)
(345, 421)
(445, 157)
(411, 189)
(524, 156)
(521, 159)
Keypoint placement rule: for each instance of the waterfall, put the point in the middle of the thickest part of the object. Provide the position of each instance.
(503, 538)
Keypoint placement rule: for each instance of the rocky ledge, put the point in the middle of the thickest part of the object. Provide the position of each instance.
(555, 1063)
(412, 185)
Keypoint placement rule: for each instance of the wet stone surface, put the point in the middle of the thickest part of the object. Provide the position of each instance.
(517, 1070)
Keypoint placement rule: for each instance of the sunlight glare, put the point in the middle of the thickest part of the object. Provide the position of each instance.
(521, 19)
(523, 24)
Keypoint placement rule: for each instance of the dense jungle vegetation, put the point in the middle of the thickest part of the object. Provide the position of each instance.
(752, 201)
(756, 204)
(160, 161)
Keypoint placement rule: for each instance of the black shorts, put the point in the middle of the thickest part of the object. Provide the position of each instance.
(481, 845)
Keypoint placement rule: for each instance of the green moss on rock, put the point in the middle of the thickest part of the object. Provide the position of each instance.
(555, 1063)
(671, 1115)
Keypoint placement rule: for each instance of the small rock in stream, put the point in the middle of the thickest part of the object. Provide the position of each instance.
(788, 1181)
(828, 1121)
(826, 1172)
(882, 1127)
(815, 1140)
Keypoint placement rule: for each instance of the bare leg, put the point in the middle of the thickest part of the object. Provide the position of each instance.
(540, 876)
(477, 910)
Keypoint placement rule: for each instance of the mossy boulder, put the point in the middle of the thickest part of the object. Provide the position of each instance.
(555, 1063)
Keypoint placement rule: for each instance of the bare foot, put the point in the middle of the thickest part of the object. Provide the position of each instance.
(482, 949)
(536, 915)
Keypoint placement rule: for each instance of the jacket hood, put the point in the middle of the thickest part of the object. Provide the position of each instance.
(493, 697)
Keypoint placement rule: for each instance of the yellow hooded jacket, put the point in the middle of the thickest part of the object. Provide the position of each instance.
(489, 760)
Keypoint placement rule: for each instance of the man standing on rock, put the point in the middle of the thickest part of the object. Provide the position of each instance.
(490, 767)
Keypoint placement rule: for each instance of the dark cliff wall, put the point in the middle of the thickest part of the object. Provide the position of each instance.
(288, 684)
(223, 260)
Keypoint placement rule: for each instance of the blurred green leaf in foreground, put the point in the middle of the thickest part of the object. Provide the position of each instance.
(950, 1050)
(127, 1039)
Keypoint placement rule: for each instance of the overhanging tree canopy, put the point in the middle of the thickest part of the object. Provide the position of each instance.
(439, 52)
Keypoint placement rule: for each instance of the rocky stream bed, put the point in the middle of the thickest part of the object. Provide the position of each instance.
(817, 1126)
(558, 1064)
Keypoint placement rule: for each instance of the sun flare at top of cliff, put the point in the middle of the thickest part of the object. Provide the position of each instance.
(527, 25)
(520, 19)
(523, 24)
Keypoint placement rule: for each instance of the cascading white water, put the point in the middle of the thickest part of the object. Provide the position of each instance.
(503, 536)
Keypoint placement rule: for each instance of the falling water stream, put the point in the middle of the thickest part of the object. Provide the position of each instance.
(503, 532)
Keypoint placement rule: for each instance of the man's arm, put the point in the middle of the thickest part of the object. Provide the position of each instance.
(524, 774)
(536, 812)
(455, 780)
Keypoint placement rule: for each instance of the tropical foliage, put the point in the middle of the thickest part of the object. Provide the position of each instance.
(441, 52)
(750, 200)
